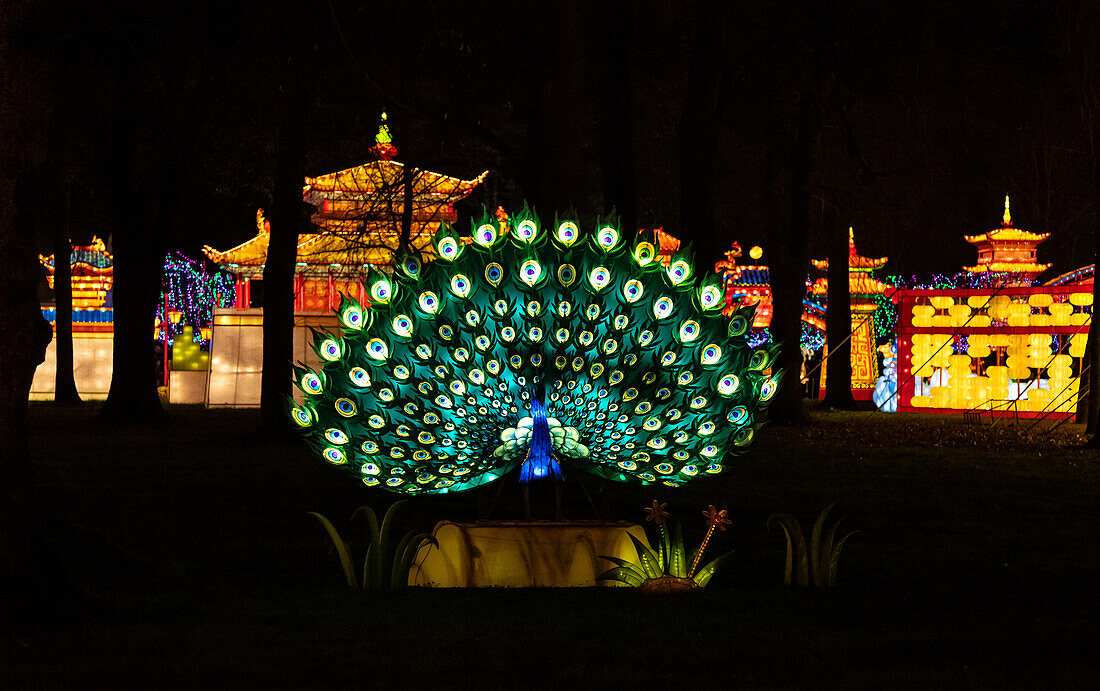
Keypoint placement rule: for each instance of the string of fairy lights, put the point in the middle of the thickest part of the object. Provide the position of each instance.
(191, 288)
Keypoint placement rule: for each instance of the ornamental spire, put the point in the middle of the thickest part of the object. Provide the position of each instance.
(384, 148)
(851, 242)
(1008, 216)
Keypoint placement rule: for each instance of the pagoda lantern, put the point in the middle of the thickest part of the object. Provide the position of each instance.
(862, 288)
(1008, 250)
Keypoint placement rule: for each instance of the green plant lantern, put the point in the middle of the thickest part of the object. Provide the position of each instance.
(667, 570)
(535, 346)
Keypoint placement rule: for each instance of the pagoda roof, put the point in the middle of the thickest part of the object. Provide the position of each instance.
(85, 260)
(855, 260)
(387, 176)
(859, 283)
(372, 243)
(1007, 233)
(1009, 267)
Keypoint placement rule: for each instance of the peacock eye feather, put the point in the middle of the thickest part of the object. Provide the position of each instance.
(485, 235)
(302, 416)
(644, 253)
(402, 326)
(678, 272)
(662, 308)
(428, 302)
(567, 233)
(493, 274)
(633, 290)
(710, 297)
(530, 272)
(381, 291)
(689, 331)
(359, 377)
(599, 277)
(448, 248)
(526, 230)
(377, 349)
(311, 383)
(330, 350)
(352, 317)
(460, 286)
(345, 407)
(567, 275)
(607, 238)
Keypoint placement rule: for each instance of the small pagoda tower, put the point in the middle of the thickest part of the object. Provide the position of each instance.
(1008, 250)
(862, 287)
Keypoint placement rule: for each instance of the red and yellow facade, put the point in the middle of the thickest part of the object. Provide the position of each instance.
(92, 272)
(1005, 349)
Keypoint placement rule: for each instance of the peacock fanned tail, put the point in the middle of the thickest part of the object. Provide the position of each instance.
(429, 390)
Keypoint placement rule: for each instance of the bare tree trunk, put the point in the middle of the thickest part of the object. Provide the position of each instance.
(283, 245)
(619, 185)
(1087, 23)
(23, 342)
(405, 245)
(788, 280)
(1092, 349)
(699, 134)
(838, 316)
(133, 397)
(65, 392)
(56, 211)
(554, 183)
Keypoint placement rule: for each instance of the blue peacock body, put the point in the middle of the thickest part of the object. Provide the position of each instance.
(532, 347)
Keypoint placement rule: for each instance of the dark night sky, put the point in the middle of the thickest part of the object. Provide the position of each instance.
(931, 111)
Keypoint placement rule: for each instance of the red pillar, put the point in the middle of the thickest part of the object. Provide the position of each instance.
(299, 292)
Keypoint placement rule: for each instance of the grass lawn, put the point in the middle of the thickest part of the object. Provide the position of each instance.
(976, 564)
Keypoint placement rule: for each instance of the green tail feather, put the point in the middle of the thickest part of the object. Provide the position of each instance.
(426, 390)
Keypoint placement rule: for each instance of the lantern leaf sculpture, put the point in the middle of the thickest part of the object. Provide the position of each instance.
(666, 570)
(527, 346)
(818, 562)
(385, 566)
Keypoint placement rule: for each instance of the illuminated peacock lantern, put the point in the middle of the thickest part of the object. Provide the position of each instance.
(528, 347)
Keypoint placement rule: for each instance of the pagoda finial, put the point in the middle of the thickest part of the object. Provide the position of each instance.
(851, 241)
(1007, 216)
(383, 141)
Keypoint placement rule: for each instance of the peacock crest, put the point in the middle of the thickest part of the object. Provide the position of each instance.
(526, 345)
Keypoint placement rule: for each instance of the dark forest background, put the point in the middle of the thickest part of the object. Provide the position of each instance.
(929, 113)
(164, 125)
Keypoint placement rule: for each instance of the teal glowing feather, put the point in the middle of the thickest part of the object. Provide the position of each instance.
(428, 390)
